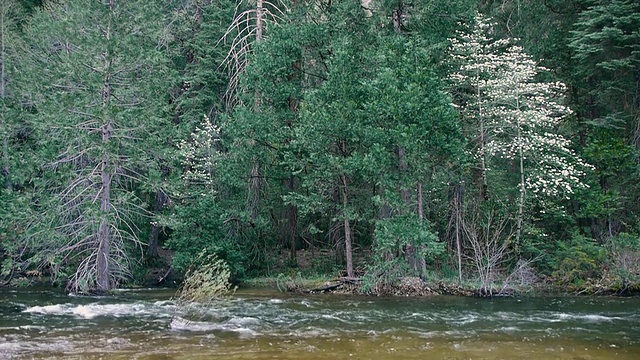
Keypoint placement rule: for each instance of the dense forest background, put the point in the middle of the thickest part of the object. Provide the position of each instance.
(443, 139)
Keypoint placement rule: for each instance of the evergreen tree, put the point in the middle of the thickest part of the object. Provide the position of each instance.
(218, 48)
(413, 40)
(101, 80)
(604, 46)
(18, 165)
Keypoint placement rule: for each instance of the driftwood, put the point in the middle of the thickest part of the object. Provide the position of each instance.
(491, 293)
(327, 288)
(350, 280)
(165, 276)
(334, 285)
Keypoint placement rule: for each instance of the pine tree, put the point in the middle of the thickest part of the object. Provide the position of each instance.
(605, 47)
(408, 93)
(605, 51)
(9, 49)
(14, 207)
(100, 77)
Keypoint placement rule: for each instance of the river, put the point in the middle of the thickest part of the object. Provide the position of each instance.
(264, 324)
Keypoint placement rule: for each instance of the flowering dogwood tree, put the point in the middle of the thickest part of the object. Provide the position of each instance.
(201, 156)
(517, 115)
(475, 54)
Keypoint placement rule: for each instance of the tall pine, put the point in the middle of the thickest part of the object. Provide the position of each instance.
(99, 76)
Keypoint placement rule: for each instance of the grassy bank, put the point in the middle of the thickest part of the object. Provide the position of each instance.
(414, 286)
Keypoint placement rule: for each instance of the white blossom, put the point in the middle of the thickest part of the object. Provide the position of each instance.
(519, 113)
(201, 155)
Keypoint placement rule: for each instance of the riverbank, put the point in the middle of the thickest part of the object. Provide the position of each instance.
(307, 277)
(404, 287)
(407, 286)
(312, 277)
(416, 287)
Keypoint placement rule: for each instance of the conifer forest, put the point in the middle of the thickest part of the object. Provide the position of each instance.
(468, 141)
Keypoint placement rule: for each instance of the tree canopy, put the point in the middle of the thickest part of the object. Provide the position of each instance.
(387, 139)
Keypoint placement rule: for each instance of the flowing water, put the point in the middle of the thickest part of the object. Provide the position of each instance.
(263, 324)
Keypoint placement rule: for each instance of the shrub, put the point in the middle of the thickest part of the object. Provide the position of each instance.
(577, 260)
(206, 280)
(624, 259)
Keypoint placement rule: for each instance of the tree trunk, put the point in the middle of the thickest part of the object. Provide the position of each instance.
(292, 221)
(483, 156)
(396, 19)
(254, 191)
(291, 184)
(454, 227)
(259, 20)
(335, 228)
(5, 162)
(423, 261)
(292, 216)
(3, 121)
(405, 195)
(367, 10)
(410, 251)
(255, 181)
(458, 211)
(152, 247)
(420, 202)
(161, 200)
(103, 282)
(384, 212)
(522, 184)
(347, 228)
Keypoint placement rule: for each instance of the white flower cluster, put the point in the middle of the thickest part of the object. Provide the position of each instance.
(519, 114)
(201, 156)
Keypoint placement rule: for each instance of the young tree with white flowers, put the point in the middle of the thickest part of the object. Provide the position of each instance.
(474, 53)
(201, 158)
(517, 114)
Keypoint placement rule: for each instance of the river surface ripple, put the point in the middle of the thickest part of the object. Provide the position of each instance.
(262, 324)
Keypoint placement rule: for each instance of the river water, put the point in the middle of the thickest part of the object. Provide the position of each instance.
(264, 324)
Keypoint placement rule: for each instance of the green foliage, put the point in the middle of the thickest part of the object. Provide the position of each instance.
(577, 260)
(327, 122)
(322, 265)
(289, 283)
(393, 235)
(206, 279)
(605, 47)
(100, 104)
(383, 277)
(614, 180)
(623, 258)
(200, 226)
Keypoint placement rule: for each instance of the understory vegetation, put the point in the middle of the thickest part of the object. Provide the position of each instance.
(380, 146)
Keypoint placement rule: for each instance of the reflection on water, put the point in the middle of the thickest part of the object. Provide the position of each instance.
(146, 324)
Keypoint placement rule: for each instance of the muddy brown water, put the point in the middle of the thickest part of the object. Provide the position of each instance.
(265, 324)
